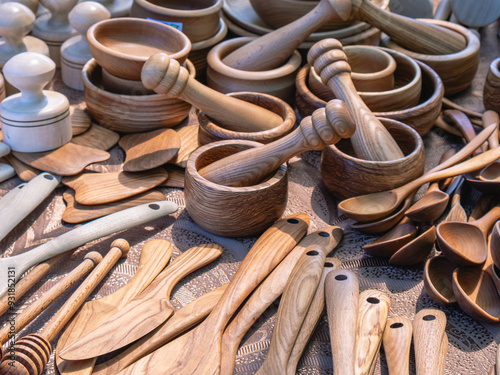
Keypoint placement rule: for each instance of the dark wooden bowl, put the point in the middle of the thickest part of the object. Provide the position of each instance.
(491, 92)
(232, 211)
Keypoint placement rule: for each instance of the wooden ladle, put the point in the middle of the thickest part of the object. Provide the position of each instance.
(390, 242)
(438, 273)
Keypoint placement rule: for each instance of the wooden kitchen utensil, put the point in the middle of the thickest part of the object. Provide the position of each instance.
(97, 137)
(33, 351)
(428, 333)
(102, 188)
(152, 305)
(155, 255)
(430, 207)
(80, 121)
(330, 63)
(150, 150)
(85, 233)
(189, 142)
(438, 275)
(390, 242)
(416, 250)
(165, 76)
(198, 351)
(175, 176)
(249, 167)
(397, 342)
(457, 212)
(23, 171)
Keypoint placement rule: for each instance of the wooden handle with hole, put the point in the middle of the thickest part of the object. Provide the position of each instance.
(428, 331)
(490, 118)
(397, 342)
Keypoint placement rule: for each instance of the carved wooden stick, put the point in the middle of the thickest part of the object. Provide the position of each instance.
(165, 76)
(325, 126)
(371, 140)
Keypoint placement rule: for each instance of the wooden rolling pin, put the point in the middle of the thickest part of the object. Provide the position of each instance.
(325, 126)
(273, 49)
(371, 140)
(32, 352)
(165, 76)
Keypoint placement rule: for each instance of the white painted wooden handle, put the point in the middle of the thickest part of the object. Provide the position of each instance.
(4, 149)
(6, 171)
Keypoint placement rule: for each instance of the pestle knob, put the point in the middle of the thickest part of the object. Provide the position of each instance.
(75, 51)
(324, 127)
(371, 141)
(34, 120)
(165, 76)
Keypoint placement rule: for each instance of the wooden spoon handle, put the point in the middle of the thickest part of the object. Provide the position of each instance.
(165, 76)
(397, 342)
(491, 118)
(325, 126)
(371, 140)
(372, 317)
(462, 123)
(342, 299)
(293, 308)
(428, 331)
(442, 355)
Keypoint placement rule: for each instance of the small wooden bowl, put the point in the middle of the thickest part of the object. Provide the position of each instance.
(491, 92)
(457, 70)
(211, 132)
(119, 85)
(421, 117)
(198, 19)
(122, 45)
(131, 113)
(279, 82)
(232, 211)
(346, 176)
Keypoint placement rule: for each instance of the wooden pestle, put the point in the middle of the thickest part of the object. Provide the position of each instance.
(325, 126)
(32, 352)
(371, 140)
(273, 49)
(165, 76)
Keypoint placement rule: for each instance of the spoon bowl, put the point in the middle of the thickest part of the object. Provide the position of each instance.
(430, 207)
(390, 242)
(490, 173)
(462, 243)
(415, 251)
(438, 276)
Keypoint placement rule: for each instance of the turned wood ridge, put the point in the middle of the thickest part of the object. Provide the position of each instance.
(166, 76)
(371, 140)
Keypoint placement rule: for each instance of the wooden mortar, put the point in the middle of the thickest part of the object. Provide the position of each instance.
(491, 92)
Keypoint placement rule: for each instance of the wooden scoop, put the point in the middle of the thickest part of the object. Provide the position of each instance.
(147, 310)
(83, 234)
(33, 351)
(438, 275)
(431, 206)
(390, 242)
(428, 333)
(198, 351)
(371, 140)
(165, 76)
(457, 212)
(397, 342)
(416, 250)
(154, 257)
(326, 126)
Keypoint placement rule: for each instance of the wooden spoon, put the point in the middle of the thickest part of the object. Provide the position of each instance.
(457, 212)
(397, 342)
(491, 172)
(147, 310)
(198, 351)
(83, 234)
(155, 255)
(417, 250)
(430, 207)
(389, 243)
(489, 118)
(463, 124)
(428, 332)
(494, 244)
(438, 275)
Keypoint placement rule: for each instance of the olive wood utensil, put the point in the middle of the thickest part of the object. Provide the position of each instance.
(198, 351)
(428, 332)
(448, 103)
(97, 137)
(102, 188)
(371, 140)
(33, 351)
(165, 76)
(183, 319)
(78, 236)
(390, 242)
(463, 124)
(155, 255)
(23, 170)
(175, 178)
(489, 118)
(416, 250)
(482, 206)
(342, 301)
(249, 167)
(492, 171)
(293, 308)
(189, 142)
(438, 275)
(80, 121)
(149, 150)
(430, 207)
(457, 212)
(397, 342)
(268, 291)
(67, 160)
(442, 355)
(148, 310)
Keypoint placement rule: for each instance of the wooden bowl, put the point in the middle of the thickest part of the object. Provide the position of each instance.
(346, 176)
(198, 19)
(131, 113)
(122, 45)
(421, 117)
(232, 211)
(491, 92)
(279, 82)
(211, 132)
(457, 70)
(119, 85)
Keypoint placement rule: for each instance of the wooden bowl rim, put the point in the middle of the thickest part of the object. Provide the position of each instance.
(495, 67)
(185, 13)
(389, 68)
(215, 62)
(213, 40)
(280, 174)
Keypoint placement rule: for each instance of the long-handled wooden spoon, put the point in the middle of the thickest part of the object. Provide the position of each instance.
(397, 342)
(155, 255)
(83, 234)
(198, 351)
(147, 310)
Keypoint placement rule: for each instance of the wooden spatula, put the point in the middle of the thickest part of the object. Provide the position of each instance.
(97, 137)
(189, 142)
(198, 351)
(145, 312)
(397, 342)
(154, 257)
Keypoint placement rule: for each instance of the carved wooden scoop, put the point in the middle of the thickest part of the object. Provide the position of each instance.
(249, 167)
